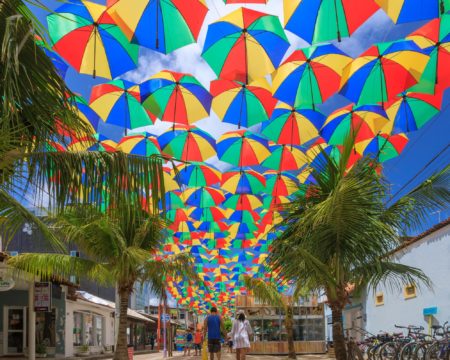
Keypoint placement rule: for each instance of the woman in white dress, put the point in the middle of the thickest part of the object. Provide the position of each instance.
(240, 335)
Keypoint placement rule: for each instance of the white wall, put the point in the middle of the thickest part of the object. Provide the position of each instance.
(432, 255)
(83, 306)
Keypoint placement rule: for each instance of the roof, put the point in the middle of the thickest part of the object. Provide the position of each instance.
(84, 295)
(430, 231)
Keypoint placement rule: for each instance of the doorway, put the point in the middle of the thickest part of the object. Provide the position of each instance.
(14, 324)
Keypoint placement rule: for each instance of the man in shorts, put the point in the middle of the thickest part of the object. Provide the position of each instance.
(213, 326)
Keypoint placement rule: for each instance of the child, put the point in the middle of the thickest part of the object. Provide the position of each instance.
(198, 338)
(188, 343)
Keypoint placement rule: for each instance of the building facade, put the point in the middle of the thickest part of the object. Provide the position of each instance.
(430, 252)
(270, 336)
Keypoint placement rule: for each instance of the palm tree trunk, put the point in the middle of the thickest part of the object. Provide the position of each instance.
(121, 351)
(289, 322)
(338, 332)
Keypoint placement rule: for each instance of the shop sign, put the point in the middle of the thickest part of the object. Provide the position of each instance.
(6, 283)
(42, 296)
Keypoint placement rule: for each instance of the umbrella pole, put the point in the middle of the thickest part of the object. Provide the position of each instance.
(292, 126)
(438, 46)
(242, 104)
(382, 147)
(125, 121)
(381, 82)
(310, 84)
(95, 49)
(441, 7)
(337, 21)
(157, 25)
(175, 107)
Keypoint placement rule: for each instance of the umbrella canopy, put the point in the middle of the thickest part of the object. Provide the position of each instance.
(245, 45)
(235, 102)
(434, 38)
(285, 158)
(310, 75)
(402, 11)
(243, 202)
(118, 102)
(318, 21)
(60, 65)
(84, 111)
(176, 97)
(86, 36)
(203, 197)
(209, 214)
(242, 148)
(362, 122)
(243, 181)
(143, 144)
(294, 126)
(96, 142)
(383, 71)
(245, 1)
(280, 183)
(173, 200)
(161, 25)
(198, 174)
(188, 143)
(383, 146)
(410, 111)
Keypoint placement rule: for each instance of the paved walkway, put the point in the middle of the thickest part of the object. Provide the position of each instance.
(227, 356)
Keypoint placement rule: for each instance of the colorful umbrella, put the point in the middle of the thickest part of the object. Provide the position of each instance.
(434, 38)
(118, 102)
(383, 146)
(245, 45)
(402, 11)
(318, 21)
(361, 122)
(84, 111)
(203, 197)
(86, 36)
(383, 71)
(411, 111)
(188, 143)
(170, 183)
(198, 174)
(245, 1)
(243, 181)
(95, 142)
(173, 200)
(235, 102)
(143, 144)
(60, 66)
(280, 183)
(208, 214)
(243, 202)
(285, 158)
(176, 97)
(310, 75)
(161, 25)
(242, 148)
(294, 126)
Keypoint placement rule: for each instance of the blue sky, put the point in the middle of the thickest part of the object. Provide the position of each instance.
(407, 169)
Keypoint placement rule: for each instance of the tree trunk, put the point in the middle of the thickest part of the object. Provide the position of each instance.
(289, 323)
(338, 332)
(121, 350)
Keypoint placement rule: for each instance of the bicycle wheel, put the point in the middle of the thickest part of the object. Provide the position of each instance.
(407, 351)
(433, 352)
(420, 351)
(388, 351)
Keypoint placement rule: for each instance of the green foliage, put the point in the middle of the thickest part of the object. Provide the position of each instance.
(227, 324)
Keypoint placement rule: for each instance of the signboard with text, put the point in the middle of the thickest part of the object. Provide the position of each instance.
(42, 296)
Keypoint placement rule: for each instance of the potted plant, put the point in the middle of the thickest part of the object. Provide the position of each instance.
(41, 350)
(83, 350)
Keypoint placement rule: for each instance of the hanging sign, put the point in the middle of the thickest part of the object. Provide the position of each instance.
(42, 296)
(6, 282)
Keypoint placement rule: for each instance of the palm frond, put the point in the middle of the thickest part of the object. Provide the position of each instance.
(62, 266)
(267, 292)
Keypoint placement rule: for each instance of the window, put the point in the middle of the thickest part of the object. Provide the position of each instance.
(379, 299)
(72, 278)
(409, 291)
(87, 329)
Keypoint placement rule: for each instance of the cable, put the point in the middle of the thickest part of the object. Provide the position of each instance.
(419, 172)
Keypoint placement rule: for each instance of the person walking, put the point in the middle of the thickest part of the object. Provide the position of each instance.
(241, 332)
(198, 339)
(213, 327)
(188, 342)
(152, 341)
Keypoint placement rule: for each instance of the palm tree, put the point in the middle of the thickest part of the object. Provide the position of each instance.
(119, 248)
(34, 107)
(269, 293)
(340, 232)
